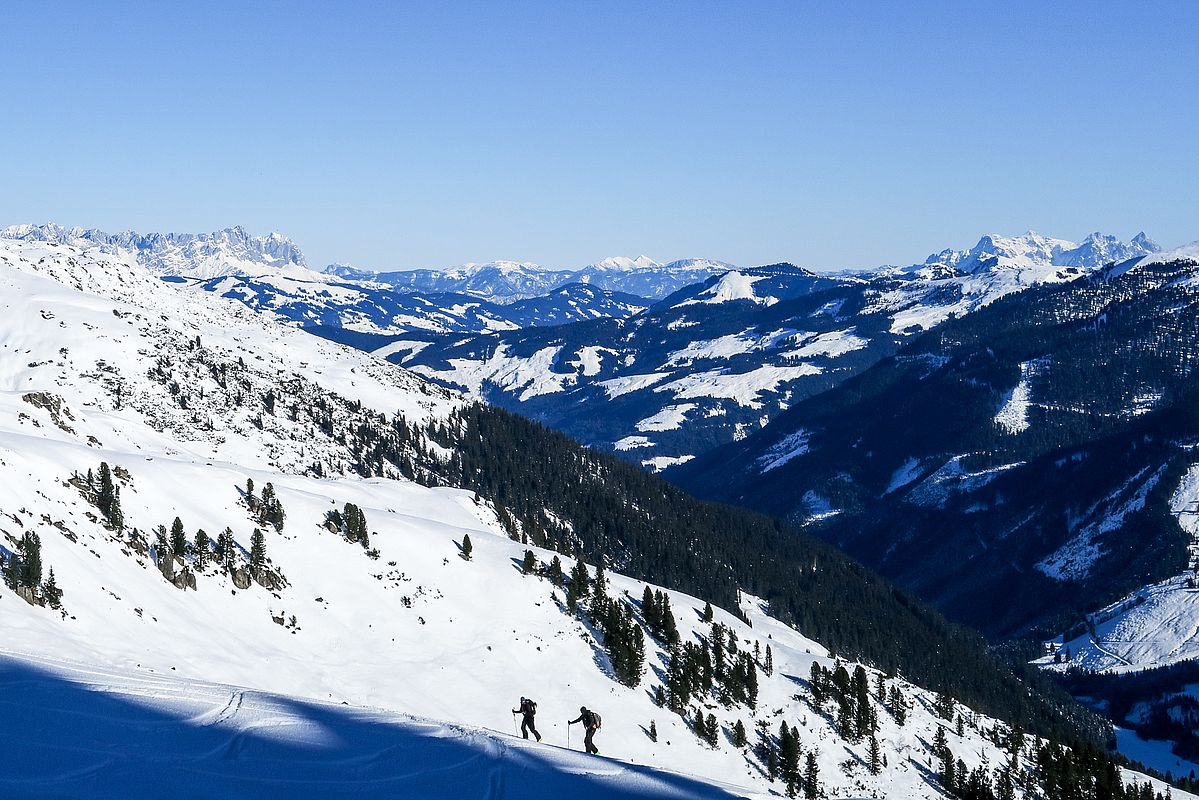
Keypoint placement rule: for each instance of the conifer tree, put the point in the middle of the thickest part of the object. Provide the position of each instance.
(708, 613)
(467, 547)
(226, 549)
(529, 565)
(30, 548)
(200, 548)
(601, 581)
(257, 554)
(579, 578)
(554, 571)
(739, 736)
(178, 541)
(106, 493)
(789, 758)
(876, 764)
(811, 781)
(653, 731)
(769, 668)
(713, 731)
(51, 591)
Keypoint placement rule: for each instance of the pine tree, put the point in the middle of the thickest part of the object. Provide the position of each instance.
(178, 542)
(769, 669)
(601, 581)
(257, 554)
(226, 549)
(579, 579)
(51, 591)
(200, 548)
(740, 738)
(467, 547)
(789, 758)
(708, 613)
(554, 571)
(713, 731)
(106, 493)
(649, 610)
(653, 731)
(811, 781)
(30, 548)
(876, 764)
(529, 565)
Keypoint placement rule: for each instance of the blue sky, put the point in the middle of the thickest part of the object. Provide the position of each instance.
(395, 135)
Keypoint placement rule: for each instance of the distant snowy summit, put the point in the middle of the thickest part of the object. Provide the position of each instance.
(232, 251)
(510, 281)
(1035, 250)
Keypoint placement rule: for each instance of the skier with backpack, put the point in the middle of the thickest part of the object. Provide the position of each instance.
(527, 710)
(591, 723)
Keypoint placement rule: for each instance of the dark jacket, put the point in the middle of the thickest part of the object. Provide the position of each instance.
(527, 708)
(587, 718)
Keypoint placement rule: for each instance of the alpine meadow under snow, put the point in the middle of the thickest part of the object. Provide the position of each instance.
(296, 651)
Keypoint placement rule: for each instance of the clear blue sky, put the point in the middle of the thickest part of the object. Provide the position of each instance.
(396, 135)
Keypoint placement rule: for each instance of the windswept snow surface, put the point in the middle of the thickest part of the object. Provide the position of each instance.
(135, 733)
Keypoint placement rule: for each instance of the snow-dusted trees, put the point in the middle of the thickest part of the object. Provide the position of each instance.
(102, 491)
(178, 541)
(258, 554)
(350, 523)
(467, 548)
(659, 619)
(201, 549)
(624, 640)
(23, 572)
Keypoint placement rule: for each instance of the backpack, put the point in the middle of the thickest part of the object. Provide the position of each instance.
(599, 722)
(529, 706)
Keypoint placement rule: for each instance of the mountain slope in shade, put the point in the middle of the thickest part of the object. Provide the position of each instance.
(363, 307)
(1035, 443)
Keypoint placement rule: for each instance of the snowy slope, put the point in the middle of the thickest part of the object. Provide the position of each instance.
(103, 362)
(150, 735)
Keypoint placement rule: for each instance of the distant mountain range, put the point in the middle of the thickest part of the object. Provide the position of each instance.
(508, 281)
(232, 251)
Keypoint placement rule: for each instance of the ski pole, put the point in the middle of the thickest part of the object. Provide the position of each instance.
(514, 725)
(568, 736)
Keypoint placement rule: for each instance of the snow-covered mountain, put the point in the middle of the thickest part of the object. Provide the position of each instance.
(1033, 250)
(343, 600)
(369, 307)
(1034, 443)
(510, 281)
(715, 361)
(232, 251)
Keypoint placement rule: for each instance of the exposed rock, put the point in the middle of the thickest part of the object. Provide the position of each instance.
(53, 405)
(241, 578)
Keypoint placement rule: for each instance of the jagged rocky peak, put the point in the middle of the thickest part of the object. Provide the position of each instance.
(1035, 249)
(231, 251)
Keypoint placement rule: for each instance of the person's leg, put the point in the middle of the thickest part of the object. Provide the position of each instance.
(524, 727)
(533, 728)
(591, 748)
